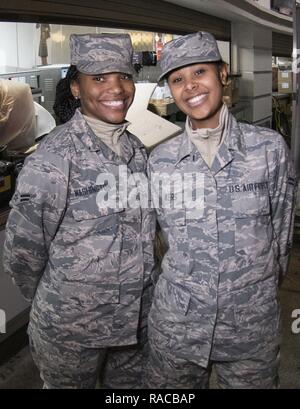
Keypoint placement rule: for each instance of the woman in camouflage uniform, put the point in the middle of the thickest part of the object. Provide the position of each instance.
(85, 262)
(215, 303)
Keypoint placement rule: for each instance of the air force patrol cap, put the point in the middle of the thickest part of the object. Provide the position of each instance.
(101, 53)
(192, 48)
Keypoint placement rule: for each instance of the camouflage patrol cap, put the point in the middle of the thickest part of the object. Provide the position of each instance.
(101, 53)
(189, 49)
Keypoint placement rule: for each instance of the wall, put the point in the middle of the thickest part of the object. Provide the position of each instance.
(8, 44)
(59, 51)
(255, 64)
(18, 44)
(224, 47)
(27, 34)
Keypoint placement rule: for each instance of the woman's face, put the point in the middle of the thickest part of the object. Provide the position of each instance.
(197, 91)
(105, 96)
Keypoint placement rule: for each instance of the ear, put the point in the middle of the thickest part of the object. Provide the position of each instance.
(74, 86)
(223, 72)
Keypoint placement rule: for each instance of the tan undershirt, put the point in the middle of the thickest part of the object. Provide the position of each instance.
(108, 133)
(208, 140)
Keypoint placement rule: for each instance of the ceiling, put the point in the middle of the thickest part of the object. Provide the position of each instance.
(246, 10)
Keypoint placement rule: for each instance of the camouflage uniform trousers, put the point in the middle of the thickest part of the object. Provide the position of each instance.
(166, 369)
(71, 366)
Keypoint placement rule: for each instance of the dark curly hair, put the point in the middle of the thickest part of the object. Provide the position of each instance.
(65, 104)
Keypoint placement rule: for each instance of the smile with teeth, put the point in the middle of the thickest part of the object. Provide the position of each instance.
(197, 100)
(114, 104)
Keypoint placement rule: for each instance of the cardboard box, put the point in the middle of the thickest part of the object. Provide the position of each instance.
(285, 76)
(163, 107)
(285, 88)
(285, 82)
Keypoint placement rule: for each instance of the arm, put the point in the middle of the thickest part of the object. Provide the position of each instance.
(37, 208)
(283, 205)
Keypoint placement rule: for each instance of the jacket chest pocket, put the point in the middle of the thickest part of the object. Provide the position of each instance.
(97, 226)
(253, 228)
(104, 220)
(89, 238)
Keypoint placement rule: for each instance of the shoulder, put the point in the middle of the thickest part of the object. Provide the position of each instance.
(59, 141)
(53, 153)
(257, 136)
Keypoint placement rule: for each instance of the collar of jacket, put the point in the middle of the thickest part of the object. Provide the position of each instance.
(233, 142)
(94, 144)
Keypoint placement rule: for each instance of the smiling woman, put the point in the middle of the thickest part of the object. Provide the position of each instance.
(85, 265)
(215, 303)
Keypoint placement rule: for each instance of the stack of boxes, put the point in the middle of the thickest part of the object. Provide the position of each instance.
(285, 82)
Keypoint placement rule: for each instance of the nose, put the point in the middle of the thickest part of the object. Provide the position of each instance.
(191, 84)
(115, 86)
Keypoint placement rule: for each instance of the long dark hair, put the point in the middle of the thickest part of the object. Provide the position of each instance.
(65, 104)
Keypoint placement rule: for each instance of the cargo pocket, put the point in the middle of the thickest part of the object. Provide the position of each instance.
(88, 311)
(258, 321)
(104, 218)
(97, 232)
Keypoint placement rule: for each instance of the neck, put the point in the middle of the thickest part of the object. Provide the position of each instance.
(99, 122)
(211, 122)
(208, 140)
(109, 133)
